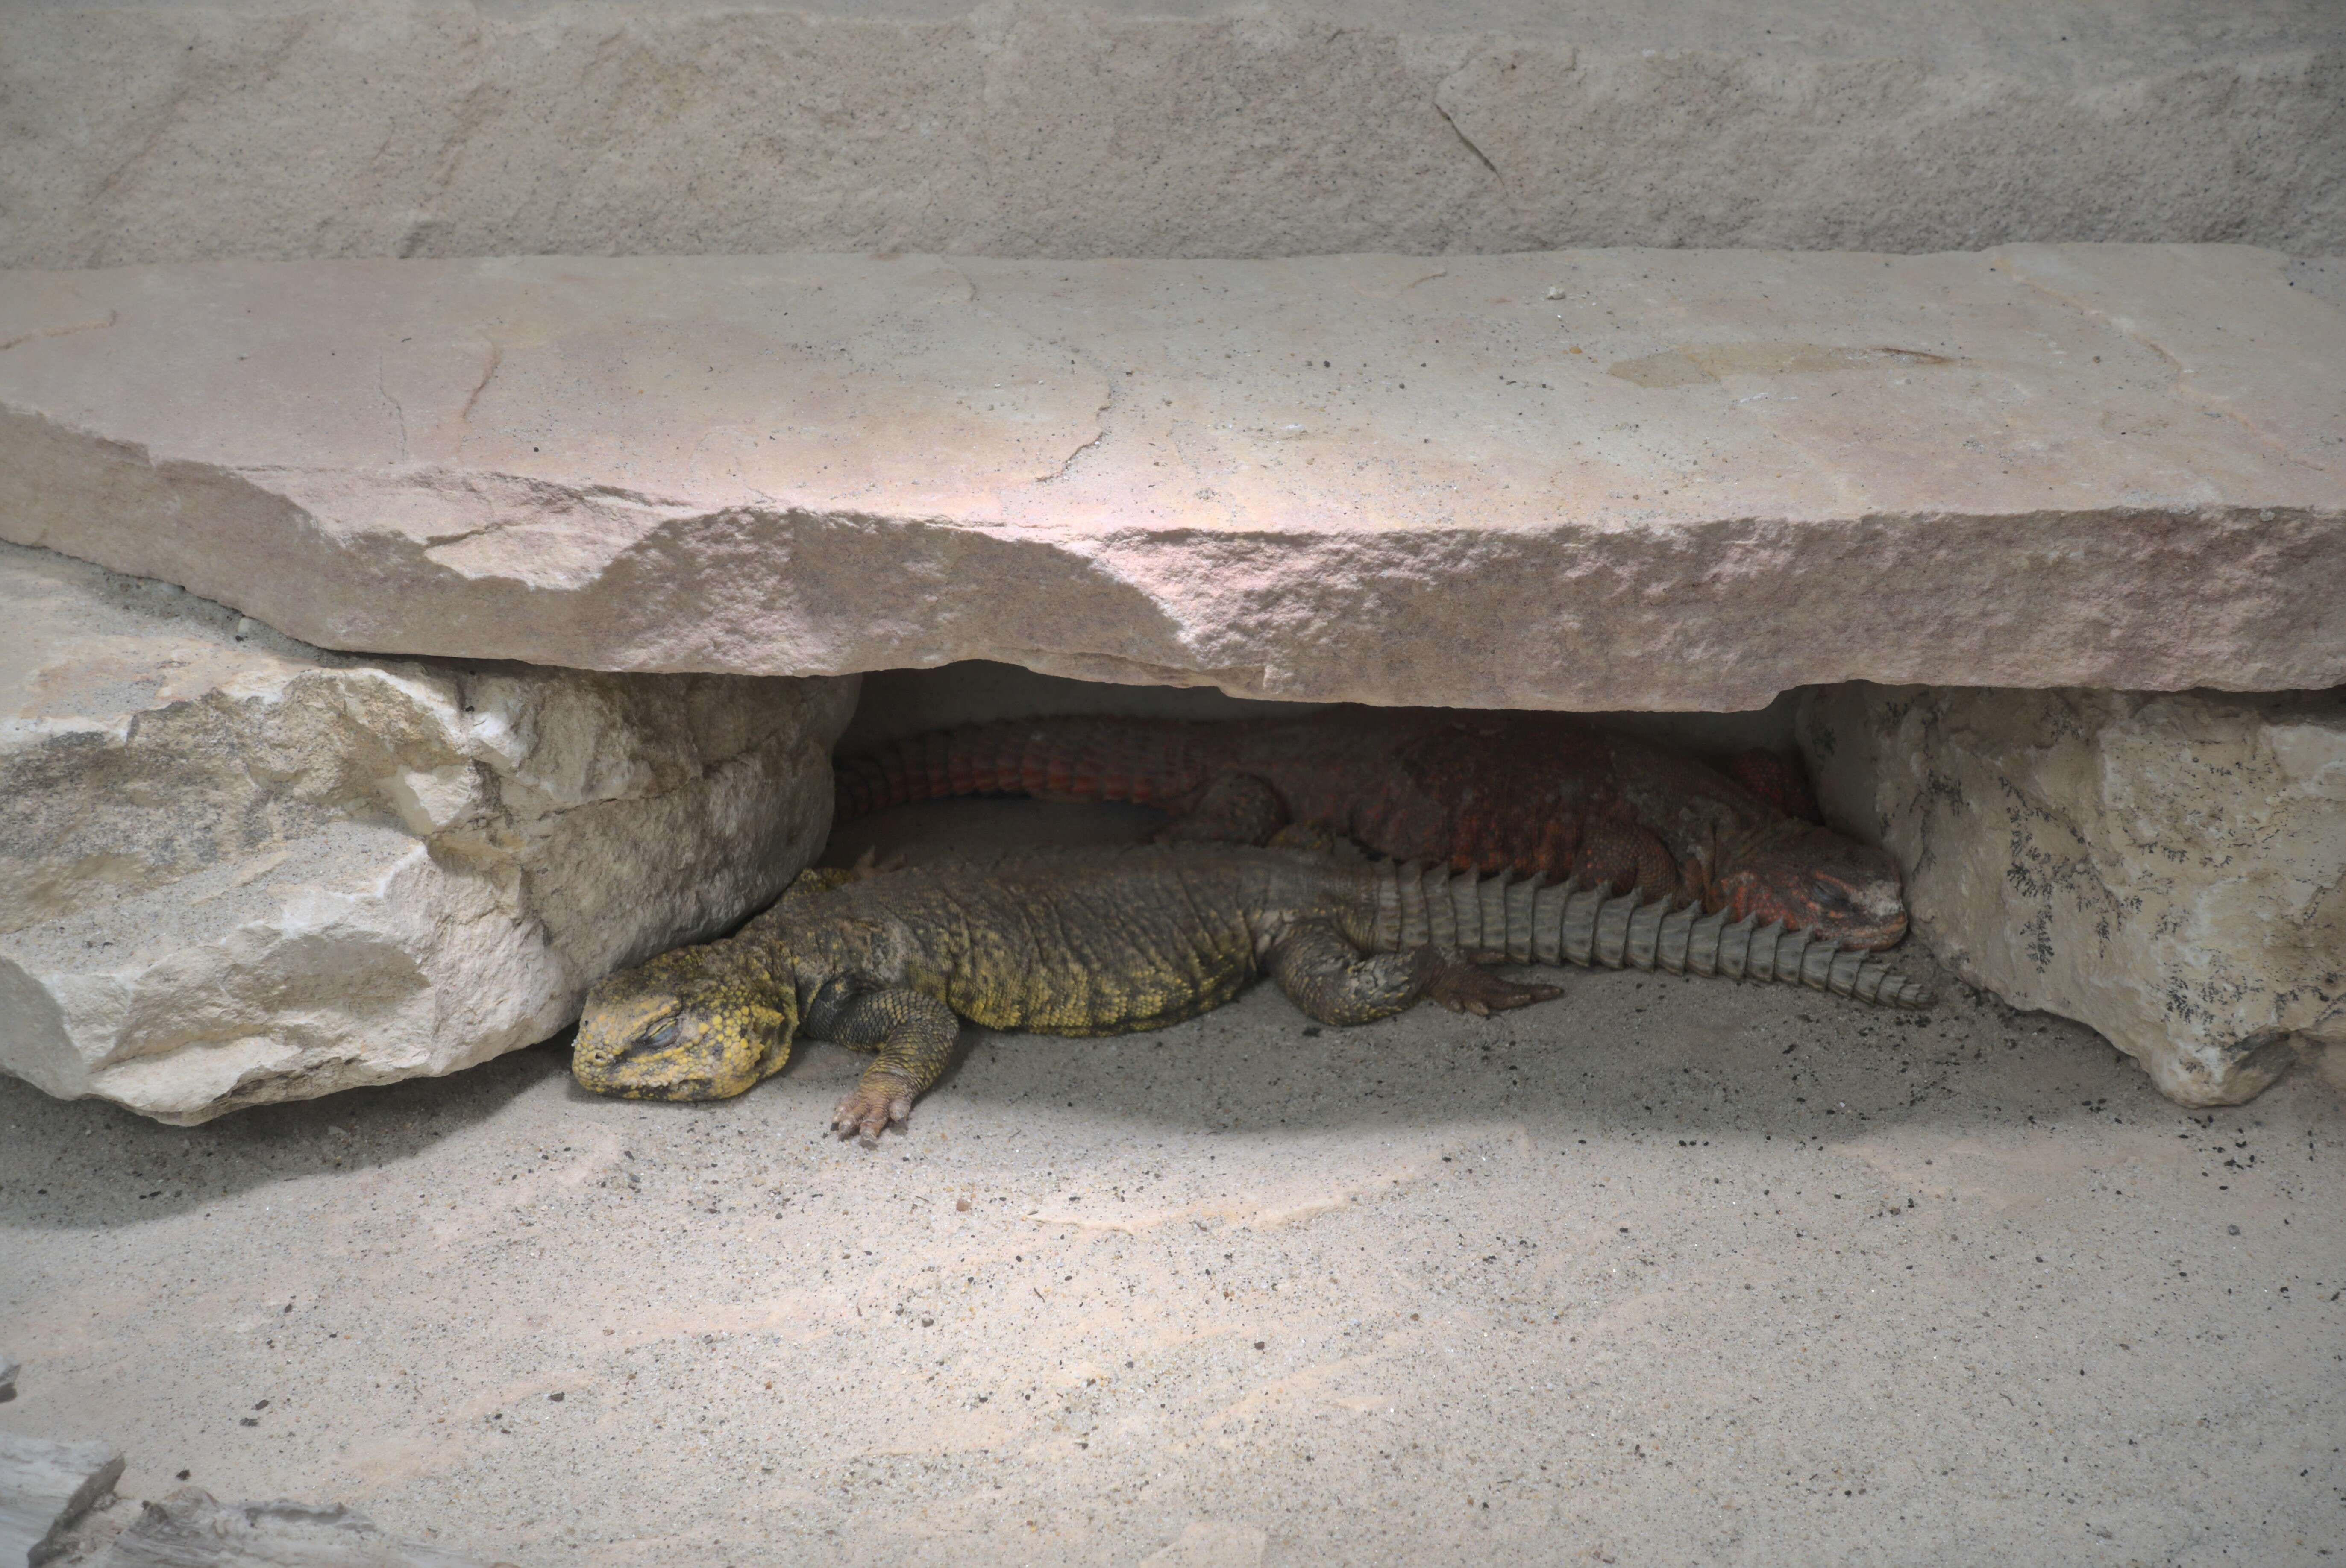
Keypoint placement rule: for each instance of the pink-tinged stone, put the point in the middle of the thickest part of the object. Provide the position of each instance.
(1592, 480)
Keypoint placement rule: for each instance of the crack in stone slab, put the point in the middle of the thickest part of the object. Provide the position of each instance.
(62, 332)
(496, 359)
(1464, 141)
(398, 412)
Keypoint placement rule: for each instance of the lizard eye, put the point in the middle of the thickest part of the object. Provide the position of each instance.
(659, 1039)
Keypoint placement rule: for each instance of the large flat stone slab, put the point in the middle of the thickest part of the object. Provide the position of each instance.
(1590, 480)
(294, 129)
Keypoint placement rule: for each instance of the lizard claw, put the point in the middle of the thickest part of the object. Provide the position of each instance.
(868, 1112)
(1461, 987)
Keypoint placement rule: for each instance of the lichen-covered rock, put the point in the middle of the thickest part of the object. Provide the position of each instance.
(2169, 868)
(236, 868)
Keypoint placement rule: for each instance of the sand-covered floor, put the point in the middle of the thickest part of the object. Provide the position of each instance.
(1668, 1271)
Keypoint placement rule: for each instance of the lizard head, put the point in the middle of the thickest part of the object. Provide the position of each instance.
(688, 1025)
(1813, 878)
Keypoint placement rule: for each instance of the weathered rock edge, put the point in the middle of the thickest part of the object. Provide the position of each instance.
(385, 127)
(188, 1528)
(45, 1487)
(2169, 868)
(235, 869)
(1586, 480)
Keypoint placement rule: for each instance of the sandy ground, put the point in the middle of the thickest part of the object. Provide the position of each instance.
(1668, 1271)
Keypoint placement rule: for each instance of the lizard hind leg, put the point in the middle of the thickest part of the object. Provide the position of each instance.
(1305, 839)
(915, 1034)
(1235, 808)
(1326, 976)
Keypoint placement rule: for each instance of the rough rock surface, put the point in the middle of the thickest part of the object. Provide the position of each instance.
(45, 1487)
(286, 129)
(2170, 870)
(235, 869)
(1593, 480)
(191, 1529)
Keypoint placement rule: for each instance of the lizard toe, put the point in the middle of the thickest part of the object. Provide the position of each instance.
(870, 1109)
(1463, 988)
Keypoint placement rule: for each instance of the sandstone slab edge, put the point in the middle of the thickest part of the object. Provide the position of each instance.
(1586, 480)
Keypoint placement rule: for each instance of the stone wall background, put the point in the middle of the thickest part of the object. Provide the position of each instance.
(259, 129)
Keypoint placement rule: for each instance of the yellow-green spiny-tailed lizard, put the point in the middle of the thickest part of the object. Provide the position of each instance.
(1105, 942)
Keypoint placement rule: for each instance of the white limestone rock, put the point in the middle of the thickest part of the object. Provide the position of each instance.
(2169, 868)
(236, 868)
(45, 1487)
(1598, 480)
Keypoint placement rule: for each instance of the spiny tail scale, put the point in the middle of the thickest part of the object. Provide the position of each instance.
(1531, 920)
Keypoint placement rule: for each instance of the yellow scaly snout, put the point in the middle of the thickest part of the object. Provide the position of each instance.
(673, 1029)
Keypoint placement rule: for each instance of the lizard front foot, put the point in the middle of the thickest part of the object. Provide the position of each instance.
(879, 1099)
(1461, 987)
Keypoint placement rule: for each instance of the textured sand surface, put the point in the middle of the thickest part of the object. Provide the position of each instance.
(1667, 1271)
